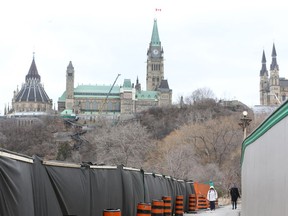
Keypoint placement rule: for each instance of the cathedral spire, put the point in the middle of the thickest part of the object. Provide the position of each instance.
(263, 70)
(155, 40)
(263, 58)
(274, 51)
(274, 65)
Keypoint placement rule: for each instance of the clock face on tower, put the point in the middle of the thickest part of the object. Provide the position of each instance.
(155, 52)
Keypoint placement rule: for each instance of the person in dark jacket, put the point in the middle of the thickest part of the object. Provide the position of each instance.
(234, 193)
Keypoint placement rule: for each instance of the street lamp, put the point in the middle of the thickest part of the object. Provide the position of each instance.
(244, 122)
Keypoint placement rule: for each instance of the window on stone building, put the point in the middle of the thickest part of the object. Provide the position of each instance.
(117, 106)
(87, 105)
(110, 107)
(95, 105)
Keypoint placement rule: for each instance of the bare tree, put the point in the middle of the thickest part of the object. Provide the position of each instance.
(29, 136)
(213, 140)
(202, 151)
(201, 95)
(126, 144)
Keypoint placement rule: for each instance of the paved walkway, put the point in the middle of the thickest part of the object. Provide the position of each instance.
(221, 211)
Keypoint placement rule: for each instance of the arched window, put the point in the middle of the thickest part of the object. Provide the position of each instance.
(87, 105)
(110, 106)
(117, 106)
(95, 105)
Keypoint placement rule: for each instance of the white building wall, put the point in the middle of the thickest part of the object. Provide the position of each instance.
(265, 173)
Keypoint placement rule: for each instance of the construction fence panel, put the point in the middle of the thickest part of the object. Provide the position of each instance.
(30, 186)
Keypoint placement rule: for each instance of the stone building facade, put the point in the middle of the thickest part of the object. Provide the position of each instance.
(273, 88)
(128, 98)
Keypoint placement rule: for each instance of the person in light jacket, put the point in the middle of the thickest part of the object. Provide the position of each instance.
(212, 197)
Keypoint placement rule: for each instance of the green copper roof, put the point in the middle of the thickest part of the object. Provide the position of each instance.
(62, 98)
(93, 91)
(271, 121)
(155, 40)
(147, 95)
(67, 112)
(127, 84)
(96, 89)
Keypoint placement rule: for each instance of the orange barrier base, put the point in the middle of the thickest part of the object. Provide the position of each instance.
(111, 212)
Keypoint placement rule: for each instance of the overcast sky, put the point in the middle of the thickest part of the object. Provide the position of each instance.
(207, 43)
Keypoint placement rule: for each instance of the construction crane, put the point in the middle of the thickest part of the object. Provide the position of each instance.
(105, 100)
(277, 98)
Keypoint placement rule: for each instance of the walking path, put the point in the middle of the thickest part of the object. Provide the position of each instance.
(221, 211)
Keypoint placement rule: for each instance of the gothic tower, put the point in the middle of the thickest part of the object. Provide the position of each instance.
(274, 79)
(69, 86)
(155, 61)
(273, 88)
(264, 82)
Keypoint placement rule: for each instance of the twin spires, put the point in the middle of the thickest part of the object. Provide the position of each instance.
(273, 65)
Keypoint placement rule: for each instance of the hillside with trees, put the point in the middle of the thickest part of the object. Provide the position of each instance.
(199, 139)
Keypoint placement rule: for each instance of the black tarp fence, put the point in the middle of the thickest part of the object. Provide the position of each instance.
(30, 186)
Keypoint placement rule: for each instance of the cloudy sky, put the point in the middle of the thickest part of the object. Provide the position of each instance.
(207, 43)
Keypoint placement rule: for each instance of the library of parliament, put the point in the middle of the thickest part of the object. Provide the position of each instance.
(128, 98)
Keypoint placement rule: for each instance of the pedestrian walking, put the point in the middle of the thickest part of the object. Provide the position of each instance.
(212, 197)
(234, 193)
